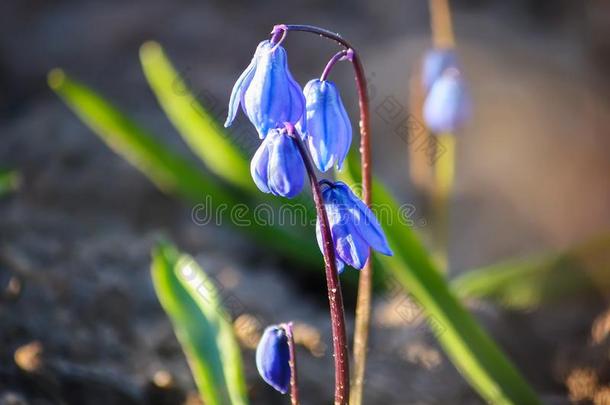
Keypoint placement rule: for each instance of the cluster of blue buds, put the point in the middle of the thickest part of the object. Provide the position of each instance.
(354, 227)
(447, 105)
(292, 122)
(280, 111)
(273, 358)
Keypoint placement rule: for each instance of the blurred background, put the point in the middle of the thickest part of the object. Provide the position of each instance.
(77, 305)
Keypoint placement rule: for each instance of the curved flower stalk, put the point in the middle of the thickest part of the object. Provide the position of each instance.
(445, 110)
(266, 90)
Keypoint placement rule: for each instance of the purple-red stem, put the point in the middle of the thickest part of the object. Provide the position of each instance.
(335, 296)
(336, 58)
(294, 387)
(363, 305)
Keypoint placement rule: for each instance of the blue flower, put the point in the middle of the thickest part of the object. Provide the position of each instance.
(436, 61)
(328, 129)
(273, 357)
(277, 166)
(266, 90)
(353, 225)
(447, 106)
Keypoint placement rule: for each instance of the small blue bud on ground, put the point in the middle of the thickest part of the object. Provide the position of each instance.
(273, 357)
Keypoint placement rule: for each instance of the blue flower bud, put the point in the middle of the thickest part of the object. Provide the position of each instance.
(447, 106)
(435, 62)
(326, 124)
(267, 92)
(354, 227)
(277, 166)
(273, 357)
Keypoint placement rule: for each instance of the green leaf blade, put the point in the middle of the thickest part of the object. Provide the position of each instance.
(470, 349)
(174, 174)
(196, 125)
(169, 171)
(10, 180)
(191, 301)
(527, 283)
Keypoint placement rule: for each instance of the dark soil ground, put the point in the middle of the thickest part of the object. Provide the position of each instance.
(79, 321)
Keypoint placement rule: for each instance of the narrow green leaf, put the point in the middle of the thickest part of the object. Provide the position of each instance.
(542, 279)
(192, 302)
(9, 181)
(196, 125)
(174, 174)
(470, 349)
(169, 171)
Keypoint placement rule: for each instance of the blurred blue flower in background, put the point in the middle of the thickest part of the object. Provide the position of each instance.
(354, 227)
(435, 63)
(328, 129)
(272, 358)
(266, 90)
(277, 166)
(447, 106)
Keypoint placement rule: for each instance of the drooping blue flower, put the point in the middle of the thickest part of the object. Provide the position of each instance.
(435, 62)
(266, 90)
(277, 166)
(326, 125)
(273, 357)
(353, 225)
(447, 106)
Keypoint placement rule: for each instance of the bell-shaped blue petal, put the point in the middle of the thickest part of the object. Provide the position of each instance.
(435, 62)
(277, 166)
(268, 93)
(326, 125)
(354, 227)
(259, 166)
(240, 86)
(447, 106)
(273, 357)
(330, 212)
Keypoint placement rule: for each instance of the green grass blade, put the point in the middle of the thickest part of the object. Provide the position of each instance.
(174, 174)
(470, 349)
(192, 302)
(197, 126)
(543, 279)
(10, 181)
(169, 171)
